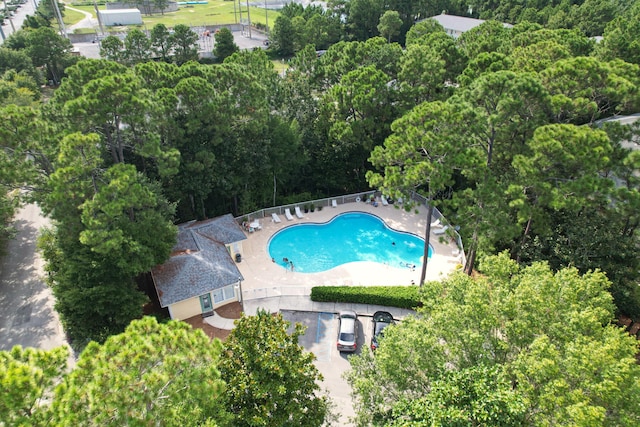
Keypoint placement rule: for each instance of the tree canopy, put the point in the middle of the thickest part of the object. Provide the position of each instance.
(514, 345)
(271, 379)
(149, 137)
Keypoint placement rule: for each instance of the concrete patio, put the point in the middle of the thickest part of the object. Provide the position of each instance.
(278, 287)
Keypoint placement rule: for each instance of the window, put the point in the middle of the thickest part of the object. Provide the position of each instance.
(224, 294)
(218, 296)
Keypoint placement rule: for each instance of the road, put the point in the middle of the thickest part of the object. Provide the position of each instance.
(18, 18)
(26, 304)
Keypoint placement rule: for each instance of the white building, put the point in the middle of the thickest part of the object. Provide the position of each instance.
(456, 25)
(120, 17)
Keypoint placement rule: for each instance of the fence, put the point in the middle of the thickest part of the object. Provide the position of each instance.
(322, 203)
(352, 198)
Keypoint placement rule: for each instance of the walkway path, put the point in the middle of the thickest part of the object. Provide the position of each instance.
(27, 316)
(87, 22)
(296, 298)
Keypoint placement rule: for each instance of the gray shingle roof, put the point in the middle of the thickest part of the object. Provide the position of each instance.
(200, 261)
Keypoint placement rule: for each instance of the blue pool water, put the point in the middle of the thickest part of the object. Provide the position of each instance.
(346, 238)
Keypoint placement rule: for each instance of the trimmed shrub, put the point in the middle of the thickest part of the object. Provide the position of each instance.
(389, 296)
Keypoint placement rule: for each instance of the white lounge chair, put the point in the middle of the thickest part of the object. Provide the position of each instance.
(437, 223)
(287, 214)
(440, 231)
(334, 203)
(384, 200)
(275, 218)
(298, 213)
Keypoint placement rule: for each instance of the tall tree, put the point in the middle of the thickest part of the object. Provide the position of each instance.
(283, 36)
(622, 37)
(128, 221)
(363, 18)
(161, 42)
(517, 350)
(137, 47)
(271, 379)
(152, 374)
(50, 50)
(390, 24)
(224, 46)
(185, 44)
(358, 114)
(421, 154)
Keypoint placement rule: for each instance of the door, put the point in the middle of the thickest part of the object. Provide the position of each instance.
(205, 303)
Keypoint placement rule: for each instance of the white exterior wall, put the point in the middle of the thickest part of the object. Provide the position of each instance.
(120, 17)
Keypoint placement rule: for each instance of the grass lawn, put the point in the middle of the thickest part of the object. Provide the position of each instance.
(71, 17)
(214, 13)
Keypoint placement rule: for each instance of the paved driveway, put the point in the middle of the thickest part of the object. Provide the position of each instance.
(320, 339)
(27, 317)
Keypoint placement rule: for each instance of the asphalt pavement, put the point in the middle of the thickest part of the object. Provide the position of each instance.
(27, 316)
(13, 24)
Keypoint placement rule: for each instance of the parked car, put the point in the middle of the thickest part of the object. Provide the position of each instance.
(381, 319)
(347, 331)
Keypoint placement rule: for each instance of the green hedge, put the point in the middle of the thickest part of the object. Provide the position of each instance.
(390, 296)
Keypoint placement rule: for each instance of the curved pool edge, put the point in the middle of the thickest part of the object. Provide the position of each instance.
(284, 264)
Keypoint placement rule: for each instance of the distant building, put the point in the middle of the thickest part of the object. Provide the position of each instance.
(456, 25)
(120, 17)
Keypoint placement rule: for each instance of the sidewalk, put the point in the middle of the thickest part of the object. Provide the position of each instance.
(297, 299)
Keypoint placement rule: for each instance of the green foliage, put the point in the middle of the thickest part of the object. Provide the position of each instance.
(27, 379)
(271, 379)
(48, 49)
(621, 37)
(7, 210)
(390, 24)
(390, 296)
(184, 44)
(363, 18)
(473, 396)
(224, 45)
(536, 345)
(152, 374)
(128, 222)
(283, 36)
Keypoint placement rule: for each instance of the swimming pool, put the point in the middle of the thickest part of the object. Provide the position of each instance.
(349, 237)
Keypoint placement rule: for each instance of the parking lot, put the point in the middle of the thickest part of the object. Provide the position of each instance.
(320, 339)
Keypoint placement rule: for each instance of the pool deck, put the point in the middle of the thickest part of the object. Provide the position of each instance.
(266, 279)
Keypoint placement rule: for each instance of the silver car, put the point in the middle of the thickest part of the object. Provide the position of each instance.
(347, 331)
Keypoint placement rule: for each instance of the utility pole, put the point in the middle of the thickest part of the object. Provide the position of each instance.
(95, 6)
(249, 18)
(13, 29)
(235, 12)
(266, 17)
(56, 10)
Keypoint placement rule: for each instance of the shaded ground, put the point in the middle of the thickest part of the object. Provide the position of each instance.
(230, 311)
(27, 315)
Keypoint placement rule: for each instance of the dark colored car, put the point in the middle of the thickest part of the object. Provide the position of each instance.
(381, 319)
(347, 331)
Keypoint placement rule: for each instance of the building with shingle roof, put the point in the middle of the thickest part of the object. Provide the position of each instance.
(201, 273)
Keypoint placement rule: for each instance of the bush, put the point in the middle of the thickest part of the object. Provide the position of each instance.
(389, 296)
